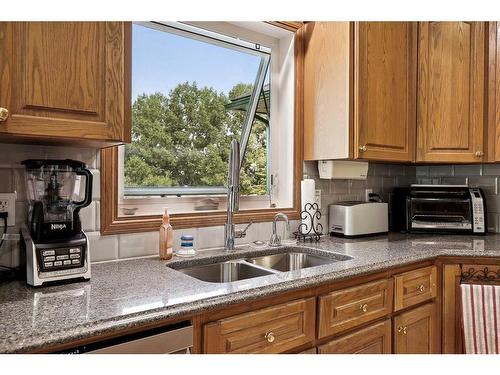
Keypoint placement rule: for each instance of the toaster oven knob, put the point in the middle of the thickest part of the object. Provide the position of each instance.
(362, 148)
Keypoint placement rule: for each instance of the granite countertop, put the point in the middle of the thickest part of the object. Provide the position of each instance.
(128, 293)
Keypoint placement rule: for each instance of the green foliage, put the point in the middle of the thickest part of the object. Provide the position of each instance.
(183, 140)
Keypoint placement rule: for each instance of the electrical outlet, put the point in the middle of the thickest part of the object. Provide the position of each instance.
(8, 204)
(367, 194)
(317, 197)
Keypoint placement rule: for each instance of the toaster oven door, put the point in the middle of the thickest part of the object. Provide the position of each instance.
(440, 214)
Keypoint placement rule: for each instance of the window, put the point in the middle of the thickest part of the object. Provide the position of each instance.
(195, 87)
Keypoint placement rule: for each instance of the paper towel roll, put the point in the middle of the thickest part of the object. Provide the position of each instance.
(308, 189)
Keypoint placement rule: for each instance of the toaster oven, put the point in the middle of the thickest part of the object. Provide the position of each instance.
(438, 208)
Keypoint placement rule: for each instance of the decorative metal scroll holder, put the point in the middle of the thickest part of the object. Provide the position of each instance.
(485, 275)
(311, 232)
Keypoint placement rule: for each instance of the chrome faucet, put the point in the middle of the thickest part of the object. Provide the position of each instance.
(233, 197)
(275, 238)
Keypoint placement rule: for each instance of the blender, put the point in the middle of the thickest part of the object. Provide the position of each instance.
(56, 247)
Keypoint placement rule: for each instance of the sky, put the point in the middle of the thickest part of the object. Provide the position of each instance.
(160, 61)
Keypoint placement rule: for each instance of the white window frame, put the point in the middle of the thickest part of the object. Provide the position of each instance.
(280, 44)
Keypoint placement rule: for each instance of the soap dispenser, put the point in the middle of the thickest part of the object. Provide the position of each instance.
(166, 237)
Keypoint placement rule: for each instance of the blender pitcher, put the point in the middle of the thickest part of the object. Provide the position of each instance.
(55, 194)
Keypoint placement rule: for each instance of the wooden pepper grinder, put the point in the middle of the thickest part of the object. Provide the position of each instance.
(166, 237)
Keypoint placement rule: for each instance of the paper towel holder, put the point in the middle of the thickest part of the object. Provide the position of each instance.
(315, 230)
(343, 169)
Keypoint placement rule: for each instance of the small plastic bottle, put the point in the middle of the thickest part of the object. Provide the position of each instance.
(166, 237)
(187, 247)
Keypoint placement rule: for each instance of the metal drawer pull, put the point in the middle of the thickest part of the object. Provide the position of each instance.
(4, 114)
(421, 287)
(403, 330)
(269, 336)
(363, 148)
(363, 307)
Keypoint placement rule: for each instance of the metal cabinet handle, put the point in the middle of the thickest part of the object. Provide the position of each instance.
(403, 330)
(4, 114)
(269, 336)
(363, 307)
(363, 148)
(421, 287)
(479, 154)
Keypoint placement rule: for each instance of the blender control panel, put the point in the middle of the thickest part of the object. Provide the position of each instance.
(61, 258)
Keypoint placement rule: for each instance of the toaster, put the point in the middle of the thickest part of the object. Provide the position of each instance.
(358, 218)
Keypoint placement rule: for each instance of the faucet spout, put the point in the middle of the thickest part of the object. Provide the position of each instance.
(275, 238)
(233, 194)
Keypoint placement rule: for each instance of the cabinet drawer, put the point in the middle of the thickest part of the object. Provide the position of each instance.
(271, 330)
(414, 287)
(375, 339)
(347, 308)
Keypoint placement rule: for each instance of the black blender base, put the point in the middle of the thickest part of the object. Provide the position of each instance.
(11, 274)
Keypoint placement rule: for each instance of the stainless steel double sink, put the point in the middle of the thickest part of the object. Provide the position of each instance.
(251, 267)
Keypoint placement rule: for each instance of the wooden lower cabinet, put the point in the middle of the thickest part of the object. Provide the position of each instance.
(415, 331)
(375, 339)
(356, 319)
(414, 287)
(275, 329)
(348, 308)
(452, 342)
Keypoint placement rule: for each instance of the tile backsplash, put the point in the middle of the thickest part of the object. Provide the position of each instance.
(485, 176)
(382, 178)
(101, 247)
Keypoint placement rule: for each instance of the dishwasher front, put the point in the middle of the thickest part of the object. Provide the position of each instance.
(172, 339)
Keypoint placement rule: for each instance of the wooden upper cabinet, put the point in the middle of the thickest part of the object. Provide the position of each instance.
(493, 127)
(451, 91)
(385, 76)
(327, 90)
(360, 90)
(65, 81)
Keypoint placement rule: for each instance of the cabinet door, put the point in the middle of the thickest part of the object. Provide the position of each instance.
(385, 104)
(415, 331)
(327, 90)
(493, 138)
(65, 80)
(375, 339)
(451, 92)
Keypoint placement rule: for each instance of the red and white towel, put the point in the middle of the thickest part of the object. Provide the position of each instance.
(481, 318)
